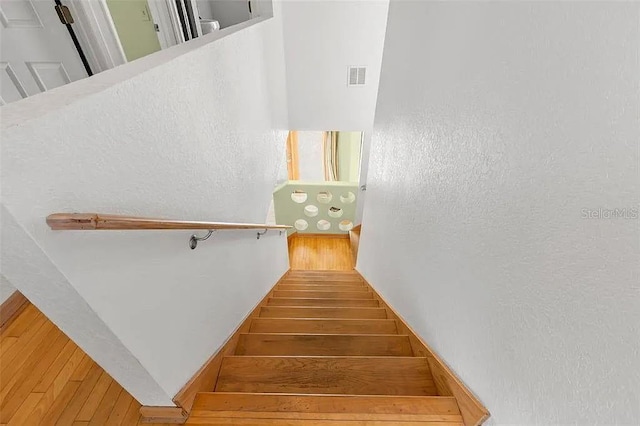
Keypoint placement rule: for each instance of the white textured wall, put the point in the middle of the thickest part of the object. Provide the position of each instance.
(496, 124)
(47, 287)
(6, 289)
(322, 39)
(185, 133)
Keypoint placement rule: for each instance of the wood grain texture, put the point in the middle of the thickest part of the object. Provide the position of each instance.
(162, 415)
(314, 312)
(321, 294)
(51, 381)
(290, 301)
(320, 274)
(231, 421)
(323, 326)
(205, 378)
(320, 253)
(16, 328)
(326, 375)
(323, 345)
(345, 417)
(354, 242)
(472, 410)
(293, 162)
(321, 287)
(212, 403)
(323, 280)
(318, 282)
(11, 308)
(100, 221)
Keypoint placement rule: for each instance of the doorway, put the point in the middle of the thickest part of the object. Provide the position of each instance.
(37, 52)
(324, 156)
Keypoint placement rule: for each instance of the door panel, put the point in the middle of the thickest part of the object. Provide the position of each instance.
(11, 89)
(19, 14)
(48, 75)
(36, 52)
(135, 28)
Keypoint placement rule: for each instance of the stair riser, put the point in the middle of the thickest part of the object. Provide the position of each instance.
(319, 287)
(362, 303)
(323, 294)
(322, 282)
(324, 273)
(326, 326)
(323, 345)
(212, 404)
(339, 313)
(336, 278)
(240, 404)
(308, 422)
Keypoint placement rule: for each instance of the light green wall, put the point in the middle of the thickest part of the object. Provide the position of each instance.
(349, 144)
(135, 27)
(343, 196)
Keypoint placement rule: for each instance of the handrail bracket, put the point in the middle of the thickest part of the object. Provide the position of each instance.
(193, 241)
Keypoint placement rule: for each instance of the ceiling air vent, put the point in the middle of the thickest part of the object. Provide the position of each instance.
(357, 76)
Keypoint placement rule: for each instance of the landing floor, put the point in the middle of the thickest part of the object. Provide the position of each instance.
(320, 253)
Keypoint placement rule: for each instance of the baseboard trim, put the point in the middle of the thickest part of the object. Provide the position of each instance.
(174, 415)
(11, 308)
(204, 380)
(354, 240)
(473, 412)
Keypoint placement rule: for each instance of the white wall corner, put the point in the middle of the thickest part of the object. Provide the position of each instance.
(40, 281)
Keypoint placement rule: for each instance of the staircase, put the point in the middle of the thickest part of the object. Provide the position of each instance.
(323, 349)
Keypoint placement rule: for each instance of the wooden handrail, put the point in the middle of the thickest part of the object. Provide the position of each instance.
(97, 221)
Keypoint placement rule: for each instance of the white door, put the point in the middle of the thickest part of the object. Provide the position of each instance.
(36, 51)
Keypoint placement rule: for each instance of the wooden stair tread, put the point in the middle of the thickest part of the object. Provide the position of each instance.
(323, 326)
(322, 403)
(323, 345)
(318, 282)
(321, 287)
(328, 312)
(321, 294)
(321, 272)
(293, 301)
(326, 375)
(234, 421)
(325, 277)
(323, 348)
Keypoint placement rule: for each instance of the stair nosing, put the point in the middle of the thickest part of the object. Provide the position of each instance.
(331, 356)
(320, 298)
(329, 334)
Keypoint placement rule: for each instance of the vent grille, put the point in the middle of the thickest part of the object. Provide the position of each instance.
(357, 76)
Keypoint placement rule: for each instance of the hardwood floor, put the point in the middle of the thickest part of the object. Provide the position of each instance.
(46, 379)
(310, 252)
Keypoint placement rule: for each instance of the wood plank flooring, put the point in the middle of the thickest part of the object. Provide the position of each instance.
(46, 379)
(320, 253)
